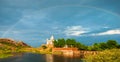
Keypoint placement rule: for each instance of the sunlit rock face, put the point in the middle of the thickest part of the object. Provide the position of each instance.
(11, 42)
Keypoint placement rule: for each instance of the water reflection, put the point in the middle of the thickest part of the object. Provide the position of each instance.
(30, 57)
(49, 58)
(60, 58)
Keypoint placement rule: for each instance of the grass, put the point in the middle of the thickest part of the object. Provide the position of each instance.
(112, 55)
(5, 55)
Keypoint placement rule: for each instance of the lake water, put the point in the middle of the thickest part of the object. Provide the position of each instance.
(31, 57)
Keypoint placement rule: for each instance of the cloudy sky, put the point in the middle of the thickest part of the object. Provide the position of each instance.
(33, 21)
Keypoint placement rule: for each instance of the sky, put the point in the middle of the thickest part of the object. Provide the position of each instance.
(33, 21)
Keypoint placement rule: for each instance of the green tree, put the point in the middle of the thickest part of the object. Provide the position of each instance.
(71, 42)
(78, 45)
(61, 42)
(118, 46)
(44, 47)
(83, 47)
(55, 43)
(103, 46)
(112, 44)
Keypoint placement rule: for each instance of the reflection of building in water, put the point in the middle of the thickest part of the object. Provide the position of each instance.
(49, 58)
(50, 42)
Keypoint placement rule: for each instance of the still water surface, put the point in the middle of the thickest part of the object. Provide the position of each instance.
(30, 57)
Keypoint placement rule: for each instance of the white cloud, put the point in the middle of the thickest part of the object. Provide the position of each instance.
(75, 30)
(109, 32)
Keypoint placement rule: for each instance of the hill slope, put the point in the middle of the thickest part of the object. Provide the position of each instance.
(10, 44)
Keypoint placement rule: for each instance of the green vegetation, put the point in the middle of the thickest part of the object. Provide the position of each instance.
(106, 51)
(4, 54)
(44, 47)
(111, 55)
(59, 43)
(110, 44)
(62, 42)
(8, 47)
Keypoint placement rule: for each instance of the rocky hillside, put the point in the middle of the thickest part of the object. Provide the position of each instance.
(6, 43)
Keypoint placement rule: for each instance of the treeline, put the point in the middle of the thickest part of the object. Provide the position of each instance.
(110, 44)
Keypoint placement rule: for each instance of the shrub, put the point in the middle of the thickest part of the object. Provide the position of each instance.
(112, 55)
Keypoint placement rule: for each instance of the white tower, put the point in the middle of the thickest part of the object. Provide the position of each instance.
(50, 41)
(52, 37)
